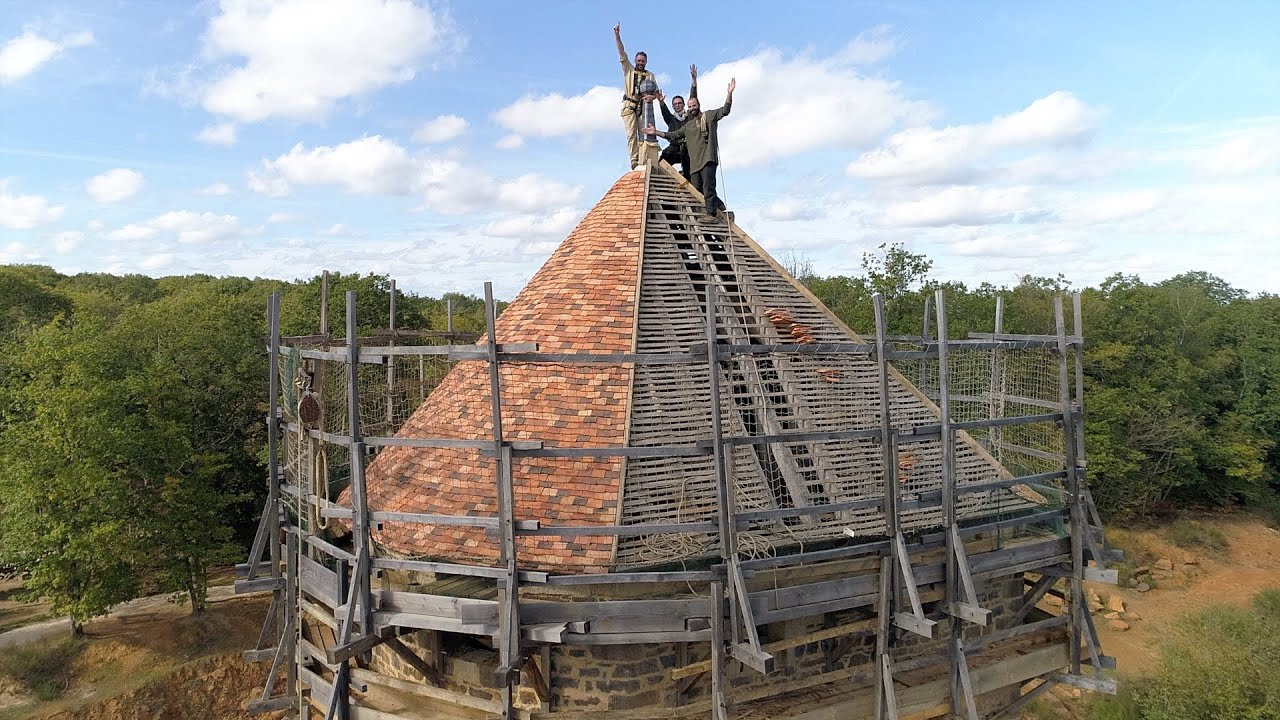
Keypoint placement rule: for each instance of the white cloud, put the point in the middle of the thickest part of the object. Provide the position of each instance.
(12, 253)
(114, 186)
(451, 188)
(279, 217)
(871, 46)
(297, 58)
(1094, 208)
(791, 208)
(186, 226)
(157, 261)
(926, 155)
(557, 224)
(24, 54)
(370, 165)
(23, 212)
(375, 165)
(545, 116)
(510, 142)
(338, 230)
(1015, 246)
(218, 134)
(95, 225)
(131, 232)
(799, 103)
(1241, 153)
(265, 183)
(964, 205)
(218, 189)
(67, 241)
(441, 129)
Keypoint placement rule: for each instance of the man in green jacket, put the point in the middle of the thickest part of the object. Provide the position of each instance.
(700, 132)
(677, 153)
(632, 77)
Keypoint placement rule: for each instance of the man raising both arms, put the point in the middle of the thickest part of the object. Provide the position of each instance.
(632, 76)
(701, 134)
(677, 153)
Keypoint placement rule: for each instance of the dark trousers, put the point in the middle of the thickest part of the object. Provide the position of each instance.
(704, 181)
(677, 154)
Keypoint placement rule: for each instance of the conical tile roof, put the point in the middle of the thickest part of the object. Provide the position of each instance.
(632, 277)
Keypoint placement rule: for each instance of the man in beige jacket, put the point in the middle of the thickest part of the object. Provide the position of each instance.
(632, 76)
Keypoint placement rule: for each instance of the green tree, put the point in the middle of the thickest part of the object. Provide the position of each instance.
(129, 454)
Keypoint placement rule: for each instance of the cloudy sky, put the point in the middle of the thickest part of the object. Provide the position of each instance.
(448, 144)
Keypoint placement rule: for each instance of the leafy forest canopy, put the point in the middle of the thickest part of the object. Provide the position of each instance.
(132, 433)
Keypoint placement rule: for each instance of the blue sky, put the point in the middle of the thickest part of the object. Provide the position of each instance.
(449, 144)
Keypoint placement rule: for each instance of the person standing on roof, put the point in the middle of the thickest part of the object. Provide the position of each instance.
(632, 77)
(677, 153)
(701, 134)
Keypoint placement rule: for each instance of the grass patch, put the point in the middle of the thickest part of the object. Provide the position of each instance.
(1123, 705)
(1137, 553)
(1039, 709)
(1190, 534)
(1218, 663)
(43, 669)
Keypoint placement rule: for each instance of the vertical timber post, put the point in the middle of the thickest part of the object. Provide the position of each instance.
(509, 585)
(293, 624)
(951, 588)
(391, 364)
(1079, 526)
(273, 460)
(997, 401)
(324, 303)
(888, 601)
(725, 517)
(924, 340)
(719, 709)
(359, 499)
(1077, 329)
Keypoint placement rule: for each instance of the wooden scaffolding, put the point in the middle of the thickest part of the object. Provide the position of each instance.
(917, 569)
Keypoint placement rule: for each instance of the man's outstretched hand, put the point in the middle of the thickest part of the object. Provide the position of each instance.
(617, 29)
(693, 72)
(733, 83)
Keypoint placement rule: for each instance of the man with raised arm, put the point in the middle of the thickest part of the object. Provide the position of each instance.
(701, 134)
(632, 77)
(677, 152)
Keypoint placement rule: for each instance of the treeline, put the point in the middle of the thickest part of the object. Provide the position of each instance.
(132, 421)
(132, 409)
(1182, 377)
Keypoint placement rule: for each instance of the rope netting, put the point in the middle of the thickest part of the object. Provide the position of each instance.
(314, 399)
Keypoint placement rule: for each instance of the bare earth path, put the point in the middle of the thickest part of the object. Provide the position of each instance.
(1250, 565)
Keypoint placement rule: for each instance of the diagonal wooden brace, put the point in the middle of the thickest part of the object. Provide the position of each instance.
(969, 609)
(915, 622)
(749, 653)
(966, 685)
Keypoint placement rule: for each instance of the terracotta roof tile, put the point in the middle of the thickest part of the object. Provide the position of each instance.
(581, 300)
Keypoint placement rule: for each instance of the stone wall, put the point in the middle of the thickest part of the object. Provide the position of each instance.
(620, 677)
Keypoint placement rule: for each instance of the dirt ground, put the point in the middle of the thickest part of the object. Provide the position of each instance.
(1249, 565)
(16, 613)
(153, 659)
